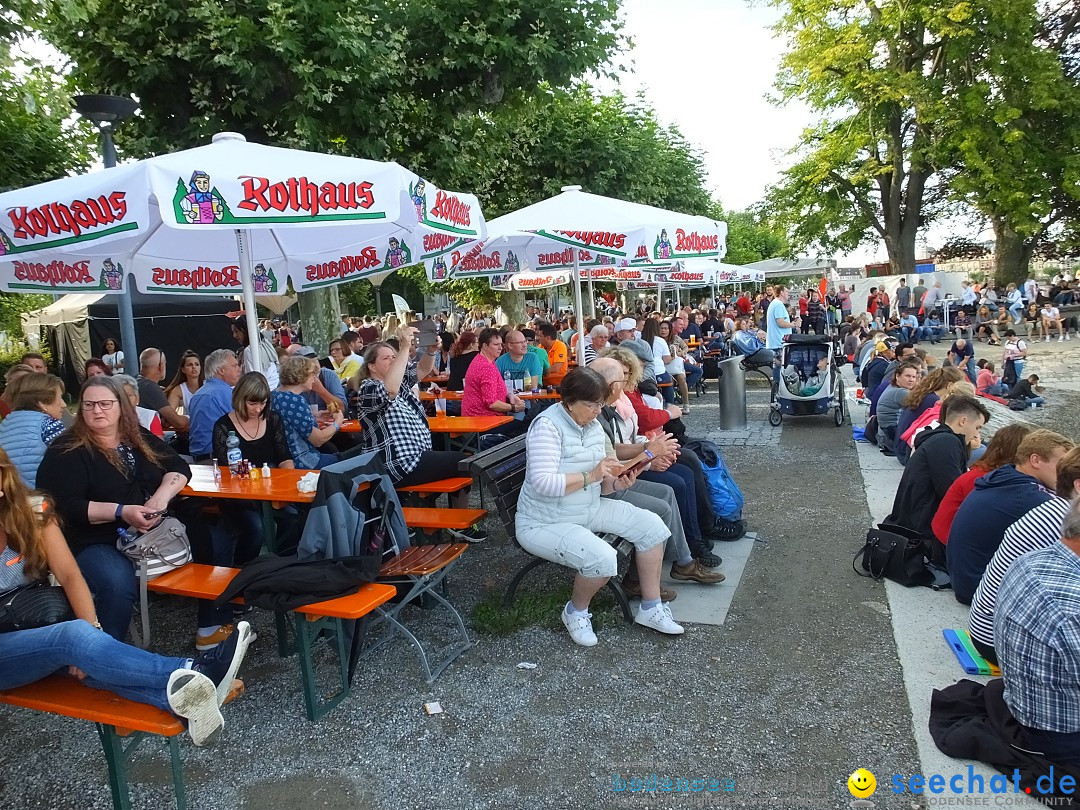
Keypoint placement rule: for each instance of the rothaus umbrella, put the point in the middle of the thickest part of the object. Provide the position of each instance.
(230, 217)
(576, 227)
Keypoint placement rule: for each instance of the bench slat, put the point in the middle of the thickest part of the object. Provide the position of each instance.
(66, 696)
(422, 560)
(446, 485)
(425, 517)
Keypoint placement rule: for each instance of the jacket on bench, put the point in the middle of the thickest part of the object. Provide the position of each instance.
(285, 583)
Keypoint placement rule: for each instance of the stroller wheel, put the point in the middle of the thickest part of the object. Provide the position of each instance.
(775, 417)
(841, 405)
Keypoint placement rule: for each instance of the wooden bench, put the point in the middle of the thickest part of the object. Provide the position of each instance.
(116, 718)
(420, 493)
(433, 520)
(199, 581)
(502, 471)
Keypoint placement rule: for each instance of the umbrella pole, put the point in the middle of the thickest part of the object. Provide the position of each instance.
(592, 298)
(577, 304)
(378, 298)
(127, 325)
(243, 247)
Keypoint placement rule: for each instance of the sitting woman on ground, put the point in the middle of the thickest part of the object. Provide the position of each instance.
(1000, 451)
(37, 401)
(302, 431)
(988, 382)
(560, 511)
(187, 380)
(927, 392)
(32, 547)
(904, 378)
(1034, 320)
(394, 422)
(986, 325)
(262, 441)
(96, 367)
(106, 474)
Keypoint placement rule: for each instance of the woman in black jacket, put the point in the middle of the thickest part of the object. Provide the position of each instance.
(106, 473)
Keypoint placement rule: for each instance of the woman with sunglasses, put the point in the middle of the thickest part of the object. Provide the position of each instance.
(107, 473)
(262, 441)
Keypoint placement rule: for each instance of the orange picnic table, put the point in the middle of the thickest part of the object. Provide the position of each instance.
(457, 396)
(465, 426)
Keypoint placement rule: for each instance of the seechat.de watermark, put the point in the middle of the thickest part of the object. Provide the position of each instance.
(671, 784)
(970, 789)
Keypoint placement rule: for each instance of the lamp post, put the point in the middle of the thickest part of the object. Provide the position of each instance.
(106, 113)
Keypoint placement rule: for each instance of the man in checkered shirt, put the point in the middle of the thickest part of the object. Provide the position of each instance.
(1037, 637)
(394, 421)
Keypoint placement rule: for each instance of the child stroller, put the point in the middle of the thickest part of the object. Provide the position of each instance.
(809, 381)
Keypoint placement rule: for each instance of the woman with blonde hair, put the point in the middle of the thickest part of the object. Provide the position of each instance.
(37, 402)
(31, 548)
(929, 390)
(305, 436)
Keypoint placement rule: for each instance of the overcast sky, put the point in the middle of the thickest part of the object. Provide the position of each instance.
(708, 66)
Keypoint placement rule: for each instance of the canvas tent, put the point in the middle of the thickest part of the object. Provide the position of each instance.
(75, 327)
(786, 268)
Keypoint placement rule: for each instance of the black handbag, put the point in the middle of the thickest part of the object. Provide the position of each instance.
(892, 552)
(37, 605)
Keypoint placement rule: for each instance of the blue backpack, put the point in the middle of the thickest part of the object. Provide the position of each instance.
(725, 495)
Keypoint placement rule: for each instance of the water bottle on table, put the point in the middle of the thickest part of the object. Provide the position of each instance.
(233, 454)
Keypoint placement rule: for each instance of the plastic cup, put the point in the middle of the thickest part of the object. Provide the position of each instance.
(859, 393)
(440, 407)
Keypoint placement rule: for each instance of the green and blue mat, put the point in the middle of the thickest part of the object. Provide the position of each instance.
(972, 663)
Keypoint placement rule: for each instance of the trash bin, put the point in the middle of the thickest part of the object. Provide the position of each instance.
(732, 385)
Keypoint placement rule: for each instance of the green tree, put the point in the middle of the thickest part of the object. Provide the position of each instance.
(752, 238)
(877, 73)
(1014, 125)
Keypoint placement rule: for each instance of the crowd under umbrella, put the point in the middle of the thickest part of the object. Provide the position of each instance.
(576, 229)
(226, 218)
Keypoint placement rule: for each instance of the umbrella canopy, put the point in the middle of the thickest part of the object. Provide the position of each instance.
(226, 218)
(553, 233)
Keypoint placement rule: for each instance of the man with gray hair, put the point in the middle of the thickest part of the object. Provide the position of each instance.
(1037, 638)
(212, 401)
(151, 396)
(651, 496)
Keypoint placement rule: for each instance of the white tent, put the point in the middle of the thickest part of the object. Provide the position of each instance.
(783, 268)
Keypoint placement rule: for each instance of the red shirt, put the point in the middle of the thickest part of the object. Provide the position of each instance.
(744, 306)
(954, 496)
(803, 304)
(483, 386)
(648, 418)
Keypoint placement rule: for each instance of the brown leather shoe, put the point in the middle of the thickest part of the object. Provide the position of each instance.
(696, 572)
(632, 588)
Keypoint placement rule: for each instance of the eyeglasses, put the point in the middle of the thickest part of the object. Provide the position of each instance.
(593, 405)
(104, 404)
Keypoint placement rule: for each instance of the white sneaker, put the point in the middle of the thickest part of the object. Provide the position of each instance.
(1046, 339)
(193, 696)
(580, 627)
(660, 619)
(1060, 338)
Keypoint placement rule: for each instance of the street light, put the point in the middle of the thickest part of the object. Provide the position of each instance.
(106, 113)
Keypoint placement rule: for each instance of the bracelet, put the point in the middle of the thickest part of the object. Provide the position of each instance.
(649, 455)
(119, 511)
(584, 480)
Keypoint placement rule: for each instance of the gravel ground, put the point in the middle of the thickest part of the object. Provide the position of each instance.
(798, 689)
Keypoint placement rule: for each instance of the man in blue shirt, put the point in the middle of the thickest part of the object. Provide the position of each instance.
(519, 362)
(212, 401)
(909, 327)
(777, 323)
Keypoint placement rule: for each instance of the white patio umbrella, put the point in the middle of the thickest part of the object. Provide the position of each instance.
(226, 218)
(553, 233)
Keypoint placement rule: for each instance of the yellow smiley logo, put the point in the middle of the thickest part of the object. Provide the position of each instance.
(862, 784)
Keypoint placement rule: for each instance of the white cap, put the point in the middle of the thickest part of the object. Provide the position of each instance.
(626, 325)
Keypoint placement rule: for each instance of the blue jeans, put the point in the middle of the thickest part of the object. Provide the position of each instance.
(931, 332)
(1034, 401)
(245, 519)
(29, 655)
(693, 376)
(1015, 311)
(668, 393)
(997, 390)
(681, 480)
(112, 580)
(210, 545)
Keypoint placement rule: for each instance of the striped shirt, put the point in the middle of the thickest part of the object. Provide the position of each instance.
(12, 573)
(1037, 637)
(1039, 528)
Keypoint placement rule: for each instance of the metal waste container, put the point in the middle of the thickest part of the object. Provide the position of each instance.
(732, 385)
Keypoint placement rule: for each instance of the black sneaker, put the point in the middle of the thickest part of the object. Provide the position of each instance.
(727, 530)
(706, 558)
(221, 663)
(474, 534)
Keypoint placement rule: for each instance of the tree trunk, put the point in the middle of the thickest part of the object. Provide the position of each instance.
(513, 306)
(320, 318)
(1012, 254)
